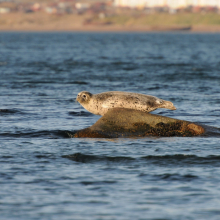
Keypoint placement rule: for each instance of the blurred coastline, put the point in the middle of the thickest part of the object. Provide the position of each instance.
(91, 15)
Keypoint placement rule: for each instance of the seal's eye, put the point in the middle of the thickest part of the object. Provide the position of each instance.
(84, 96)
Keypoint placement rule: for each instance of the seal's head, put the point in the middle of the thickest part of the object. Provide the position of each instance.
(84, 97)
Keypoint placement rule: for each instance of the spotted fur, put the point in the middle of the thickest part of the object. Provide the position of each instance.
(99, 104)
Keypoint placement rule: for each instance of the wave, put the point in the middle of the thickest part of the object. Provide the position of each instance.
(40, 134)
(171, 177)
(176, 159)
(85, 158)
(182, 159)
(10, 111)
(81, 113)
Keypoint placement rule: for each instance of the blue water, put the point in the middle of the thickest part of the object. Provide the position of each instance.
(47, 175)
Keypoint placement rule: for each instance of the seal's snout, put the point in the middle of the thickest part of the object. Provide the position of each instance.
(169, 105)
(77, 98)
(173, 108)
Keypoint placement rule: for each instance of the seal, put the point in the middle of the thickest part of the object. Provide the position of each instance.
(99, 104)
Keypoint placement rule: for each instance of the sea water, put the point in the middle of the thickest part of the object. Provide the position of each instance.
(47, 175)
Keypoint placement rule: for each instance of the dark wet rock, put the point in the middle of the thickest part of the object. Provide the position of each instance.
(120, 122)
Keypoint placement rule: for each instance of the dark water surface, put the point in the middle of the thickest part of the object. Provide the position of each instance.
(46, 175)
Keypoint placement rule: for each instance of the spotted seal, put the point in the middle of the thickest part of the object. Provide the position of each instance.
(99, 104)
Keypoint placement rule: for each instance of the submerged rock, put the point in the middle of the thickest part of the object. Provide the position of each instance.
(119, 122)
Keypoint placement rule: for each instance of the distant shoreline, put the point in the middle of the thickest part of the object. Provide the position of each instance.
(42, 22)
